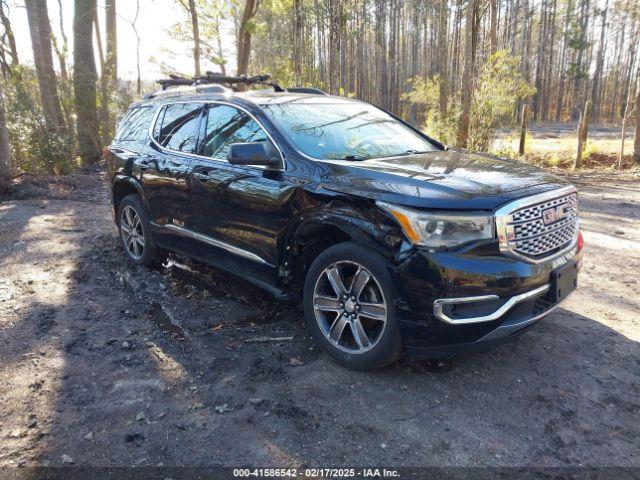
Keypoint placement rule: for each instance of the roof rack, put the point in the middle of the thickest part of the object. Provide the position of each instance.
(316, 91)
(218, 78)
(219, 83)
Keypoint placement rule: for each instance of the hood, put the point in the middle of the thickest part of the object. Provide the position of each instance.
(451, 179)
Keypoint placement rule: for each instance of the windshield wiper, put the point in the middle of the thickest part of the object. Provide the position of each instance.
(354, 158)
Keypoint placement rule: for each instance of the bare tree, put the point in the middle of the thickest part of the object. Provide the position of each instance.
(636, 142)
(493, 26)
(111, 61)
(443, 62)
(190, 7)
(134, 27)
(467, 75)
(13, 51)
(40, 30)
(110, 72)
(61, 50)
(628, 111)
(84, 81)
(103, 119)
(583, 133)
(335, 14)
(5, 152)
(244, 35)
(595, 87)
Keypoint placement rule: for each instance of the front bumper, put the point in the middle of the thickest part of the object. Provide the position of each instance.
(452, 302)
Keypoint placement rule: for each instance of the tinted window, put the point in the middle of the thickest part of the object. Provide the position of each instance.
(177, 126)
(345, 130)
(135, 125)
(227, 125)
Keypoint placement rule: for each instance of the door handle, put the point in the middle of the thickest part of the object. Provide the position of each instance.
(143, 164)
(203, 177)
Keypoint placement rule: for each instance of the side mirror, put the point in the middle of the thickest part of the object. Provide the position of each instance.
(253, 153)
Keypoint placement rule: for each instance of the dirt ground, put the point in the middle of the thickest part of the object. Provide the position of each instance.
(106, 364)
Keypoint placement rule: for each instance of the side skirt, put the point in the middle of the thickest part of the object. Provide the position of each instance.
(238, 262)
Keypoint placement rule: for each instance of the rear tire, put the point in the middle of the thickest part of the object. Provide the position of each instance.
(135, 233)
(348, 307)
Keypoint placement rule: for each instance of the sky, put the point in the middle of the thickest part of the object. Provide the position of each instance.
(154, 20)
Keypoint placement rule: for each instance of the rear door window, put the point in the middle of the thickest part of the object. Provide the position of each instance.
(135, 125)
(227, 125)
(177, 126)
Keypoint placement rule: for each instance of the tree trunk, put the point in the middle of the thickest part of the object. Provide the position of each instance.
(467, 76)
(112, 39)
(583, 133)
(244, 36)
(103, 118)
(134, 27)
(334, 45)
(298, 31)
(381, 81)
(579, 82)
(636, 142)
(563, 57)
(595, 92)
(13, 51)
(442, 57)
(40, 31)
(110, 65)
(523, 129)
(195, 28)
(84, 81)
(5, 152)
(493, 27)
(628, 111)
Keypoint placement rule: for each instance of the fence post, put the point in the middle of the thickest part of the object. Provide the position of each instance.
(523, 128)
(583, 132)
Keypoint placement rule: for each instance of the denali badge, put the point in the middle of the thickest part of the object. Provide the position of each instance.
(552, 215)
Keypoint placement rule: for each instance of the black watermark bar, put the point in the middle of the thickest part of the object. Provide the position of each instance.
(217, 473)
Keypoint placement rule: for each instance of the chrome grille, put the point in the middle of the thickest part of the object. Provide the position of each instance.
(530, 228)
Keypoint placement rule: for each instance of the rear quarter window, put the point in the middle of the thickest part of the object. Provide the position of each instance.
(135, 125)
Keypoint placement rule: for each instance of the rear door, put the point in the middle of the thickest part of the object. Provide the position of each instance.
(240, 212)
(164, 171)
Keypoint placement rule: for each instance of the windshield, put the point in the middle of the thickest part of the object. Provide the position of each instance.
(346, 130)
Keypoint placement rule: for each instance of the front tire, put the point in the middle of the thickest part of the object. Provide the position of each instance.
(135, 233)
(348, 307)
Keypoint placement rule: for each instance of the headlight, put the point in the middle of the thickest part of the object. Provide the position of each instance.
(440, 229)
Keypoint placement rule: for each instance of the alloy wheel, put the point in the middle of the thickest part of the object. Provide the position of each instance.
(132, 232)
(350, 307)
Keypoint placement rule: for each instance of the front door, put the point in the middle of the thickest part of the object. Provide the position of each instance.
(241, 212)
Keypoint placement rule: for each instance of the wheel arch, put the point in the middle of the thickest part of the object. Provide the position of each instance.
(312, 233)
(122, 187)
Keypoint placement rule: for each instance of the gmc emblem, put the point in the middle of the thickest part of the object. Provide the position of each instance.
(552, 215)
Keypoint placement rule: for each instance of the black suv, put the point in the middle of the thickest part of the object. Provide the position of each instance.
(395, 241)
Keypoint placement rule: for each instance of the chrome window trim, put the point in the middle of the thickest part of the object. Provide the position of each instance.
(195, 155)
(185, 232)
(438, 305)
(503, 218)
